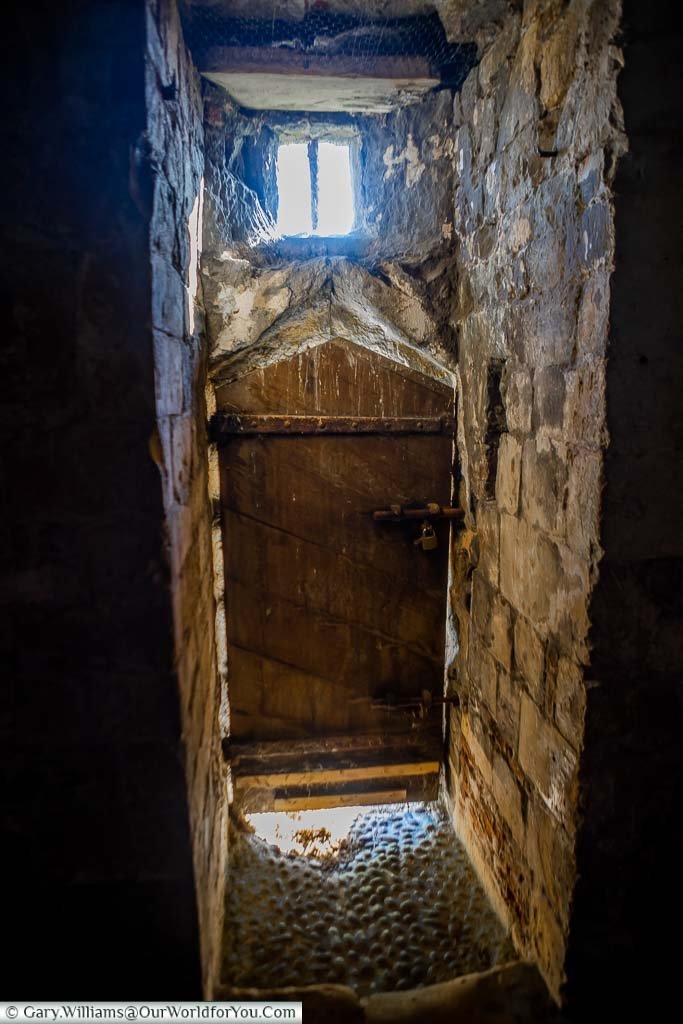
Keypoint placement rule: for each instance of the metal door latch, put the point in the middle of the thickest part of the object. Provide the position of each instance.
(402, 513)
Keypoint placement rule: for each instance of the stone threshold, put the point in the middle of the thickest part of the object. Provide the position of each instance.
(513, 993)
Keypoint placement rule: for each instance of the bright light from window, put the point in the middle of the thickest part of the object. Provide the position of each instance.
(294, 190)
(335, 208)
(335, 197)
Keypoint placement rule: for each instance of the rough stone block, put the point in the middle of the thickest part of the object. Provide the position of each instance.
(549, 941)
(500, 637)
(484, 120)
(184, 431)
(554, 230)
(584, 410)
(558, 60)
(508, 474)
(583, 504)
(596, 233)
(478, 742)
(168, 374)
(547, 583)
(570, 701)
(544, 482)
(518, 232)
(549, 393)
(469, 95)
(546, 257)
(488, 531)
(170, 299)
(529, 651)
(547, 759)
(550, 854)
(483, 673)
(530, 569)
(508, 796)
(517, 395)
(508, 709)
(495, 59)
(542, 326)
(482, 606)
(590, 176)
(493, 205)
(513, 992)
(591, 335)
(492, 620)
(334, 1004)
(520, 106)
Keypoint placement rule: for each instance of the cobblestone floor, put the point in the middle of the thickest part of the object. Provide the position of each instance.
(397, 906)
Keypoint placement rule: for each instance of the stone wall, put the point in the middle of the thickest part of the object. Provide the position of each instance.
(174, 163)
(240, 157)
(537, 135)
(99, 885)
(405, 200)
(406, 181)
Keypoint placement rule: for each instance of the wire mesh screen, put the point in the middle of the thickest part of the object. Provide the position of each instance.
(346, 29)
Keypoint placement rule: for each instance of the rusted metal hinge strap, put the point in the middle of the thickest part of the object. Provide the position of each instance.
(226, 425)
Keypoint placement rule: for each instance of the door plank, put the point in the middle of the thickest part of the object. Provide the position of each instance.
(336, 379)
(331, 648)
(309, 575)
(325, 490)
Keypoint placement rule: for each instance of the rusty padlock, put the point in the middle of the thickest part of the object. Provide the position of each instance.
(427, 539)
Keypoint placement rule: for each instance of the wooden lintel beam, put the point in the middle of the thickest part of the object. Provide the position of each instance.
(266, 60)
(226, 425)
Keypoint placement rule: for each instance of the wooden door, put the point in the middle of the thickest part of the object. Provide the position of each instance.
(332, 617)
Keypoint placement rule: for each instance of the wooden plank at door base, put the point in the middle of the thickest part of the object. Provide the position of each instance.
(381, 748)
(332, 775)
(313, 803)
(412, 789)
(339, 771)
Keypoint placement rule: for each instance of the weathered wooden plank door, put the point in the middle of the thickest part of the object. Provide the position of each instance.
(329, 613)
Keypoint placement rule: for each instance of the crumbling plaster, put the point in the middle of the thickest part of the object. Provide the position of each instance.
(394, 291)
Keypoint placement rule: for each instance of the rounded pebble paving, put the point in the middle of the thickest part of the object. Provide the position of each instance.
(398, 907)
